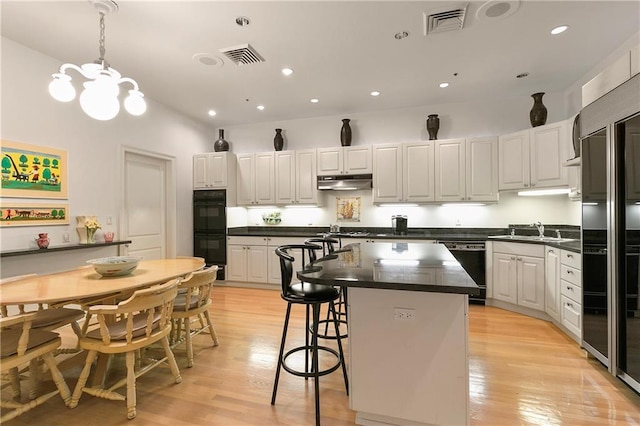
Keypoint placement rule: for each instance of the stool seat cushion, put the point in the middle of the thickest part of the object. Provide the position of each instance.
(311, 293)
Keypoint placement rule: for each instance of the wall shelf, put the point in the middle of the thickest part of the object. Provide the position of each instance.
(66, 247)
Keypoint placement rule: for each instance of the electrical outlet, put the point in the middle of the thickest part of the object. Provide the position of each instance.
(65, 237)
(109, 221)
(404, 314)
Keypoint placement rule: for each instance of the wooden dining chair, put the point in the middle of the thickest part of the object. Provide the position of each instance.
(20, 344)
(45, 318)
(192, 303)
(133, 324)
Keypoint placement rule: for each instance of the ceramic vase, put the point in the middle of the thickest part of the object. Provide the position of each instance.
(278, 141)
(221, 145)
(345, 132)
(42, 241)
(538, 113)
(91, 234)
(433, 124)
(108, 237)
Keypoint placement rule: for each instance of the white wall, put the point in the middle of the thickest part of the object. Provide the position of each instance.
(30, 115)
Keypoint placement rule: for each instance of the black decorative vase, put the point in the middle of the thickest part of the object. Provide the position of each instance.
(433, 124)
(221, 145)
(345, 132)
(278, 142)
(538, 114)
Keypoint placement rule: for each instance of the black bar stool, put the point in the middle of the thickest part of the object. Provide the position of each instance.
(328, 246)
(310, 295)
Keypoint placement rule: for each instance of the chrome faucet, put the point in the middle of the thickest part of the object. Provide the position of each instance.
(540, 227)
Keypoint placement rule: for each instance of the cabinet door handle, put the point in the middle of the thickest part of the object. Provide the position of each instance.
(569, 305)
(550, 251)
(569, 272)
(569, 288)
(526, 185)
(569, 255)
(514, 258)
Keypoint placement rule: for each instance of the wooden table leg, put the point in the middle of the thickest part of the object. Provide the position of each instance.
(102, 366)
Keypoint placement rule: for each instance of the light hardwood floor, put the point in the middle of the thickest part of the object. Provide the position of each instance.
(523, 371)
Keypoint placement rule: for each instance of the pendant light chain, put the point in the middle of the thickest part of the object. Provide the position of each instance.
(101, 41)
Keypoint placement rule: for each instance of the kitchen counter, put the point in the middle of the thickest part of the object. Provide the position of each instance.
(570, 244)
(408, 331)
(411, 267)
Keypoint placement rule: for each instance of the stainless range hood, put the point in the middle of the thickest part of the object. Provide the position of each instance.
(345, 182)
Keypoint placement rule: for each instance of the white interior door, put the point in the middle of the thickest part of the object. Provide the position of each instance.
(146, 203)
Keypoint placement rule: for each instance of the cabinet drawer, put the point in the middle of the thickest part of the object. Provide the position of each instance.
(573, 275)
(247, 241)
(571, 291)
(570, 258)
(571, 313)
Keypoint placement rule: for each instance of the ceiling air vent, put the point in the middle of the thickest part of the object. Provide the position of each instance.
(445, 19)
(242, 55)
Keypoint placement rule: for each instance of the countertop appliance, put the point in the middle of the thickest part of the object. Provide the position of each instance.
(471, 255)
(610, 159)
(210, 228)
(399, 224)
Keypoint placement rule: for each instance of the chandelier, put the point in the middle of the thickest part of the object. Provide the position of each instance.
(99, 99)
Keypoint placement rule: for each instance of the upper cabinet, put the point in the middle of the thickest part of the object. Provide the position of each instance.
(216, 170)
(344, 160)
(295, 177)
(466, 170)
(256, 179)
(403, 173)
(534, 158)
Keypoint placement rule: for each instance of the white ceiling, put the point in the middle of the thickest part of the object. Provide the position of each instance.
(340, 51)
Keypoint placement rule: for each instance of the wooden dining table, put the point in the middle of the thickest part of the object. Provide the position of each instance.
(84, 284)
(78, 285)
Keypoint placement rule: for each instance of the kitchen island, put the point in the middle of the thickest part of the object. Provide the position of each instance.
(408, 331)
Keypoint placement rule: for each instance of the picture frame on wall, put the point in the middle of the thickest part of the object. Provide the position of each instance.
(32, 171)
(29, 214)
(348, 209)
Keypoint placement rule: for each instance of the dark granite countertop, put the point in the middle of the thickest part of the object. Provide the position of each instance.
(404, 266)
(573, 245)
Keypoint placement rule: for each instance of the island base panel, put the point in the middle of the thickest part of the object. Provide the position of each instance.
(408, 371)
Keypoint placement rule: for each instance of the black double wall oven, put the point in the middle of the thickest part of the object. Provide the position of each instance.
(210, 228)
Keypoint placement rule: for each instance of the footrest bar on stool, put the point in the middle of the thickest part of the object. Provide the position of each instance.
(311, 373)
(327, 335)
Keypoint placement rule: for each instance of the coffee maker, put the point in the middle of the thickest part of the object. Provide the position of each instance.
(399, 224)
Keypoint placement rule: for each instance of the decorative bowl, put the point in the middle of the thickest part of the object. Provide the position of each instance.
(114, 266)
(272, 218)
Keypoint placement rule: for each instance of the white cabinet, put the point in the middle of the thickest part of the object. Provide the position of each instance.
(403, 173)
(534, 158)
(256, 179)
(295, 177)
(345, 160)
(466, 170)
(518, 274)
(571, 292)
(552, 282)
(247, 259)
(253, 259)
(216, 170)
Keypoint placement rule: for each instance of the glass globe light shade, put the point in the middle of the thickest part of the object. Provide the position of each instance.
(61, 88)
(99, 99)
(134, 103)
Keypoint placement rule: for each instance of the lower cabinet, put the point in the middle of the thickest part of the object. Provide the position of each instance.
(552, 280)
(253, 259)
(571, 292)
(518, 274)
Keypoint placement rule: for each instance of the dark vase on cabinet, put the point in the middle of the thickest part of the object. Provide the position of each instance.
(538, 113)
(221, 144)
(433, 124)
(278, 141)
(345, 132)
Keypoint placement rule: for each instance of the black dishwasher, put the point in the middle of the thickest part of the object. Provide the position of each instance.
(471, 255)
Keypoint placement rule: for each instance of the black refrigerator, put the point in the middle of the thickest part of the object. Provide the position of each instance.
(610, 150)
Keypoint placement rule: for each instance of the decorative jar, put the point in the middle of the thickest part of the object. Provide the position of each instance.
(42, 241)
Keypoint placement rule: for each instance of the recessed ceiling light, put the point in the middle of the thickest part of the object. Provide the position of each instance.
(287, 71)
(212, 113)
(560, 29)
(375, 93)
(243, 21)
(522, 75)
(260, 107)
(401, 35)
(314, 101)
(443, 84)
